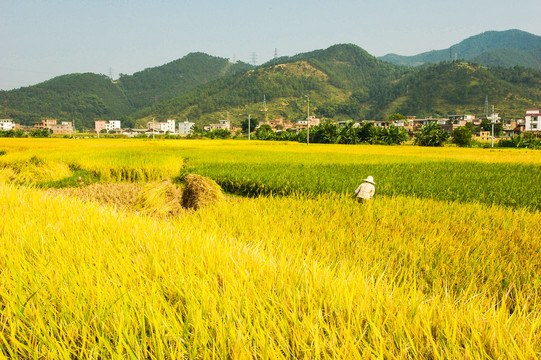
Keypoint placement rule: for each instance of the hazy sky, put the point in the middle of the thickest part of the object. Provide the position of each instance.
(41, 39)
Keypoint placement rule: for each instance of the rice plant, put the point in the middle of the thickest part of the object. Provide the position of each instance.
(285, 277)
(443, 263)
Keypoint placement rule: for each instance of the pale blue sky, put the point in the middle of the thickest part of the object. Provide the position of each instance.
(40, 39)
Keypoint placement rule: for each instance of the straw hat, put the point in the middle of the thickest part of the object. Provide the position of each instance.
(370, 179)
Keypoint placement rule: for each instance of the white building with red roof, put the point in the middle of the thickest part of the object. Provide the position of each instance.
(532, 120)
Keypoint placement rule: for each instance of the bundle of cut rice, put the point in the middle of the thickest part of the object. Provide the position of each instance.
(122, 195)
(159, 198)
(200, 191)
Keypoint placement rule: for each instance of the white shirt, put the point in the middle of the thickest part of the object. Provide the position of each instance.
(365, 191)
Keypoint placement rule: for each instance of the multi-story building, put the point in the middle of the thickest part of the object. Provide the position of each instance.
(100, 125)
(532, 120)
(461, 118)
(45, 124)
(168, 126)
(303, 124)
(111, 125)
(162, 126)
(6, 124)
(276, 124)
(494, 118)
(185, 128)
(223, 124)
(66, 127)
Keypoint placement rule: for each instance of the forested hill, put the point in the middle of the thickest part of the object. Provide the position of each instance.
(74, 97)
(82, 98)
(342, 81)
(348, 66)
(492, 48)
(437, 90)
(462, 88)
(166, 81)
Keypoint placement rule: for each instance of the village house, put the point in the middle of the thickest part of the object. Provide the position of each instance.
(185, 128)
(287, 125)
(111, 125)
(303, 124)
(6, 124)
(532, 120)
(65, 127)
(276, 124)
(162, 126)
(222, 125)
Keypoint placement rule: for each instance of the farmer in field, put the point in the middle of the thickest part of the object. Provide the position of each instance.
(366, 190)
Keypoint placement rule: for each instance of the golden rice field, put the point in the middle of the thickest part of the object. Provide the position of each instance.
(110, 268)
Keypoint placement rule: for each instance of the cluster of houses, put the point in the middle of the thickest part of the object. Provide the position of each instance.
(64, 127)
(153, 127)
(530, 123)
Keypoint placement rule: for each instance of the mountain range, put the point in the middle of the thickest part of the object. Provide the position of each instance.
(341, 82)
(492, 48)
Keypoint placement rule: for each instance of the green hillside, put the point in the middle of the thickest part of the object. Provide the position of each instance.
(510, 57)
(436, 90)
(492, 48)
(75, 97)
(342, 81)
(166, 81)
(82, 98)
(459, 87)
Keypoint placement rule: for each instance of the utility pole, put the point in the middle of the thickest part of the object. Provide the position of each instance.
(308, 121)
(492, 125)
(249, 115)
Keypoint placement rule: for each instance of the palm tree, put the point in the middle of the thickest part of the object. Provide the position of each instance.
(431, 135)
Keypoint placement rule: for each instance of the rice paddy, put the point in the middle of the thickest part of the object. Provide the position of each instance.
(444, 263)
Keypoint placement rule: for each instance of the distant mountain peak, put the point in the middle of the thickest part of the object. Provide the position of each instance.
(501, 44)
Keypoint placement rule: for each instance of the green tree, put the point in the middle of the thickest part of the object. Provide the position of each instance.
(431, 135)
(462, 136)
(347, 134)
(365, 132)
(264, 132)
(486, 125)
(329, 132)
(253, 124)
(396, 116)
(393, 135)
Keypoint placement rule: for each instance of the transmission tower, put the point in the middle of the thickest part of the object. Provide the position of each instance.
(275, 56)
(254, 59)
(486, 106)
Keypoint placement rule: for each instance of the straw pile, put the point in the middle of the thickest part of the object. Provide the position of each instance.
(159, 199)
(200, 191)
(122, 195)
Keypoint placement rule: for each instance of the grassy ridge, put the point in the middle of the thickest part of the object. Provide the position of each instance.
(269, 278)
